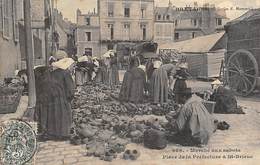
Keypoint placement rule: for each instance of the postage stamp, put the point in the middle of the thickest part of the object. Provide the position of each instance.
(18, 142)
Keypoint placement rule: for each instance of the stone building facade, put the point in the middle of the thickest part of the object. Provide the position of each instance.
(125, 21)
(115, 22)
(188, 22)
(10, 56)
(65, 31)
(164, 26)
(12, 35)
(88, 34)
(37, 11)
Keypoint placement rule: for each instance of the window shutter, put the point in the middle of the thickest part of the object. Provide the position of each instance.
(15, 21)
(111, 9)
(6, 19)
(1, 15)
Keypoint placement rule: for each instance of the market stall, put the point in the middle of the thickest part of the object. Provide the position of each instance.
(203, 54)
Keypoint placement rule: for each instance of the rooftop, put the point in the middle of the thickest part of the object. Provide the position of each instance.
(188, 12)
(249, 15)
(198, 44)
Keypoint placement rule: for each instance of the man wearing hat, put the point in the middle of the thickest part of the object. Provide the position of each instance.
(194, 125)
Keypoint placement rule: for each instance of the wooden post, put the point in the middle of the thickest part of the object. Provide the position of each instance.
(46, 37)
(29, 59)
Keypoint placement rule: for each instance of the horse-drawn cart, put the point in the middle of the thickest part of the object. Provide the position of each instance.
(242, 59)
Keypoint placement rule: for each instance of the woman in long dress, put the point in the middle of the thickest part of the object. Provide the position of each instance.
(53, 107)
(180, 84)
(159, 84)
(132, 89)
(114, 70)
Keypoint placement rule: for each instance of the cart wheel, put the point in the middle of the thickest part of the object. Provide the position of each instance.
(242, 72)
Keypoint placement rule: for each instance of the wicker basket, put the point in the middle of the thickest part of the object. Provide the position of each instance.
(210, 105)
(9, 99)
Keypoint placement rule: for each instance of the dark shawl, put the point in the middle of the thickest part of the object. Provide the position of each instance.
(53, 102)
(225, 101)
(132, 88)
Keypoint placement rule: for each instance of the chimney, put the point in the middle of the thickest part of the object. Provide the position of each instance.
(196, 4)
(78, 12)
(98, 6)
(170, 3)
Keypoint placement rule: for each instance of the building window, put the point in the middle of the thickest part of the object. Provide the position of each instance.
(144, 33)
(200, 21)
(88, 36)
(176, 22)
(168, 17)
(193, 34)
(176, 36)
(143, 28)
(219, 21)
(127, 26)
(126, 31)
(6, 18)
(15, 21)
(88, 51)
(111, 29)
(142, 13)
(159, 17)
(110, 10)
(127, 12)
(194, 22)
(110, 13)
(110, 47)
(87, 21)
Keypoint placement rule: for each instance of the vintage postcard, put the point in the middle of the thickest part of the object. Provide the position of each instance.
(140, 82)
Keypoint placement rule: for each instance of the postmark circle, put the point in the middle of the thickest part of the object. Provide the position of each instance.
(18, 142)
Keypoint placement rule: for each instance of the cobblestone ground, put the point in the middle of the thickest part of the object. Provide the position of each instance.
(243, 135)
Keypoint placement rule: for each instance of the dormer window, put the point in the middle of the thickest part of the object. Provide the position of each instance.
(159, 17)
(87, 21)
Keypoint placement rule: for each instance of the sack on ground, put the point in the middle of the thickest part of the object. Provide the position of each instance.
(155, 139)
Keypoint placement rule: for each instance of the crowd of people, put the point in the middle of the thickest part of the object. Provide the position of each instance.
(153, 79)
(56, 84)
(99, 70)
(194, 124)
(143, 81)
